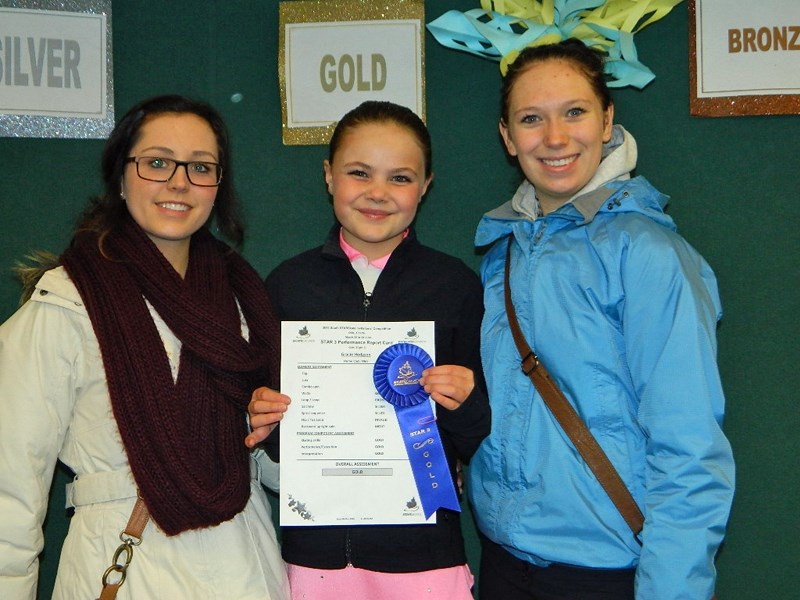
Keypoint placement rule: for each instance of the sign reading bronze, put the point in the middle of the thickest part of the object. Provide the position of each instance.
(744, 57)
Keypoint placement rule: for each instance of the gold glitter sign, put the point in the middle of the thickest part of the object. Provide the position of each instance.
(744, 57)
(55, 69)
(335, 54)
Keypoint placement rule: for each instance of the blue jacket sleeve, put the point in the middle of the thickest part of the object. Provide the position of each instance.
(669, 320)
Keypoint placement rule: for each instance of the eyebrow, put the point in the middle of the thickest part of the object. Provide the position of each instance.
(561, 104)
(368, 167)
(196, 154)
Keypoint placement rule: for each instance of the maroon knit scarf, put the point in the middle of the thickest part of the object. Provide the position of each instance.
(184, 439)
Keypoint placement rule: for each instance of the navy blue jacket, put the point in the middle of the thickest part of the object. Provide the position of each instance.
(417, 284)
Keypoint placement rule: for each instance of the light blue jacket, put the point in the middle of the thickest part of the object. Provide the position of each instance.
(623, 313)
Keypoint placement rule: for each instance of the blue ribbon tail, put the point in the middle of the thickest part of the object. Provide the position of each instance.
(428, 462)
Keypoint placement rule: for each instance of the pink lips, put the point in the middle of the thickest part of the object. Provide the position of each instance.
(374, 214)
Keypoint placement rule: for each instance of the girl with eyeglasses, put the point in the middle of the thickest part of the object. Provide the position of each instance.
(132, 362)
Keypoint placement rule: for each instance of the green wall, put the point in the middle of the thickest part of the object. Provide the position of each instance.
(733, 182)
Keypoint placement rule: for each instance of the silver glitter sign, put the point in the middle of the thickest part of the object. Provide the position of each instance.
(56, 71)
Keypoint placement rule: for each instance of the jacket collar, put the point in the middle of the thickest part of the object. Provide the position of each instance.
(332, 250)
(55, 287)
(598, 195)
(627, 195)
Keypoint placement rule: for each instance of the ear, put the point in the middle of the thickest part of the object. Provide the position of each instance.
(425, 185)
(326, 167)
(506, 135)
(608, 122)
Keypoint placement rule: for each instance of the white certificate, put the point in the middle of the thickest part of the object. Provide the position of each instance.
(343, 459)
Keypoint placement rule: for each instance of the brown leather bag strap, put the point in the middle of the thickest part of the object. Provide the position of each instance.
(131, 536)
(569, 419)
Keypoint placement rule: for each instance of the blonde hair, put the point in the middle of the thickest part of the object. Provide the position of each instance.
(29, 273)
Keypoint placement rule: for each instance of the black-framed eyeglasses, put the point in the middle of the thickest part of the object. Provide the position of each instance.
(157, 168)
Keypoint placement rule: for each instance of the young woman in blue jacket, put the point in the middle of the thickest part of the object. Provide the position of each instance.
(373, 268)
(622, 311)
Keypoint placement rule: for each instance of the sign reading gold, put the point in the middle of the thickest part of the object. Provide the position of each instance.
(335, 54)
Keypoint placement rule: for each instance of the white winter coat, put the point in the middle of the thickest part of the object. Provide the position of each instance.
(54, 404)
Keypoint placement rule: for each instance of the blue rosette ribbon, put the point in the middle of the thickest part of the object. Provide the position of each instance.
(396, 375)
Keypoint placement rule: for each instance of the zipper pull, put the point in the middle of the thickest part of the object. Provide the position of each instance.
(367, 302)
(348, 550)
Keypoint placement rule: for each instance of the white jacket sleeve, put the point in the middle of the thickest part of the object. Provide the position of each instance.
(39, 346)
(269, 473)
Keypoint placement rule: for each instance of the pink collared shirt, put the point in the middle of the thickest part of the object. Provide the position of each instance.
(368, 270)
(353, 254)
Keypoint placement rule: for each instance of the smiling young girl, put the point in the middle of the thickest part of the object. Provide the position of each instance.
(373, 268)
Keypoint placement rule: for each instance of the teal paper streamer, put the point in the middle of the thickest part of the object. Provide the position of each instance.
(492, 35)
